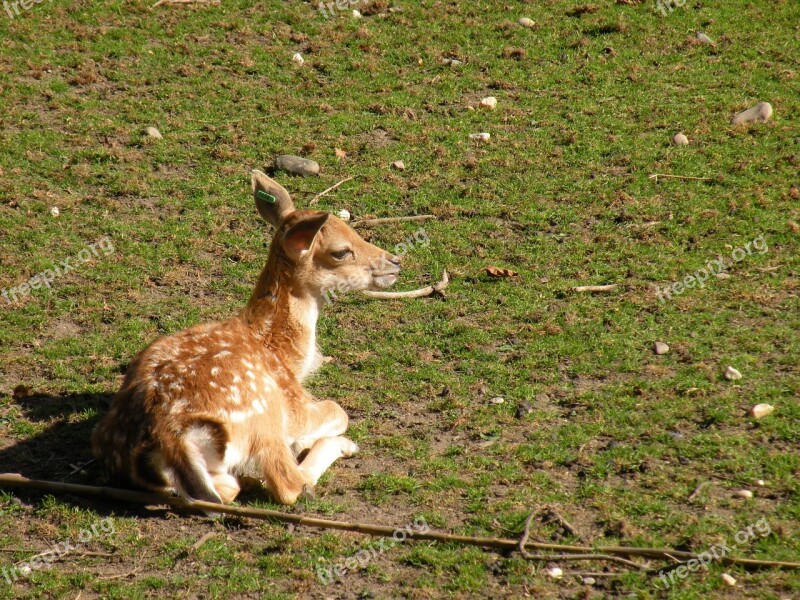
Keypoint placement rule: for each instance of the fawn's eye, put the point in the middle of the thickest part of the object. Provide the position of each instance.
(341, 254)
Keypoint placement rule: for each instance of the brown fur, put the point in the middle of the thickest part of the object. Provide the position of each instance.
(201, 408)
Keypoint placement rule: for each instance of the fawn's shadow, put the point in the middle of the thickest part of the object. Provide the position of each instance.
(60, 449)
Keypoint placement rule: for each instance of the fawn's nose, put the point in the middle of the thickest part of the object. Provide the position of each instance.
(395, 260)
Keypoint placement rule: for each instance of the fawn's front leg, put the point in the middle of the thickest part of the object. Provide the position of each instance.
(322, 436)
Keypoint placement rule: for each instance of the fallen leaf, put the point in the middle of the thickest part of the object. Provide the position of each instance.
(340, 154)
(498, 272)
(21, 391)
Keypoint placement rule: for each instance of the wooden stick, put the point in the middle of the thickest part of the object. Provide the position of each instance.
(316, 198)
(595, 288)
(14, 480)
(367, 222)
(160, 2)
(420, 293)
(655, 177)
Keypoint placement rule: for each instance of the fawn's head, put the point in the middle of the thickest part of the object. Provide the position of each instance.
(322, 251)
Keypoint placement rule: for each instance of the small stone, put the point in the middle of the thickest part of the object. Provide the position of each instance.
(54, 211)
(794, 192)
(344, 214)
(680, 140)
(489, 102)
(481, 137)
(761, 410)
(153, 133)
(453, 62)
(356, 14)
(554, 572)
(296, 165)
(526, 22)
(723, 275)
(732, 374)
(760, 113)
(589, 580)
(675, 435)
(399, 165)
(298, 58)
(704, 39)
(728, 580)
(743, 494)
(661, 348)
(523, 409)
(497, 400)
(760, 482)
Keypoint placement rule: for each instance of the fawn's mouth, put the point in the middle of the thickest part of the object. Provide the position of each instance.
(384, 279)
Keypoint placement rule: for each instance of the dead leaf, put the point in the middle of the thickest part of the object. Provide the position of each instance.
(498, 272)
(21, 391)
(340, 154)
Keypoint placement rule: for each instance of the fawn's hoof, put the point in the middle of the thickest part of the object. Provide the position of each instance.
(349, 448)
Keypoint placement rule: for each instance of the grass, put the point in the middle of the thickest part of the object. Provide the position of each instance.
(616, 438)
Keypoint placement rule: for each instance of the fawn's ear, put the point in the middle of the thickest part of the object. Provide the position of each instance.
(272, 200)
(299, 238)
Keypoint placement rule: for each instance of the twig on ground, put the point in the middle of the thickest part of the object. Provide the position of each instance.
(15, 480)
(595, 288)
(160, 2)
(196, 546)
(556, 516)
(697, 491)
(366, 222)
(437, 288)
(316, 198)
(655, 177)
(523, 542)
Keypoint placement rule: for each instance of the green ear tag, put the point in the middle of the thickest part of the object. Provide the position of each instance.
(262, 195)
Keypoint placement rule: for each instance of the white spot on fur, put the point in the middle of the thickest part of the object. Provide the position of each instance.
(222, 354)
(251, 375)
(237, 379)
(215, 371)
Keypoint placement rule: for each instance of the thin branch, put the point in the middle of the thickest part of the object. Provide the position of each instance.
(556, 516)
(160, 2)
(14, 480)
(655, 177)
(316, 198)
(595, 288)
(523, 542)
(368, 222)
(697, 490)
(437, 288)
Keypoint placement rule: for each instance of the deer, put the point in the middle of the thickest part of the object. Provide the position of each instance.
(203, 411)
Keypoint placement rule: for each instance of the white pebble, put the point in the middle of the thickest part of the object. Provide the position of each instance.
(298, 58)
(762, 410)
(481, 137)
(743, 494)
(356, 14)
(760, 113)
(728, 580)
(489, 102)
(702, 37)
(497, 400)
(732, 374)
(661, 348)
(526, 22)
(344, 214)
(153, 132)
(54, 211)
(553, 572)
(399, 165)
(680, 140)
(760, 482)
(453, 62)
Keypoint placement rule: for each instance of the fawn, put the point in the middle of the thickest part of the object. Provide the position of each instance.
(200, 409)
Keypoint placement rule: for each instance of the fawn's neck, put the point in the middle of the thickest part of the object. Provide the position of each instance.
(284, 316)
